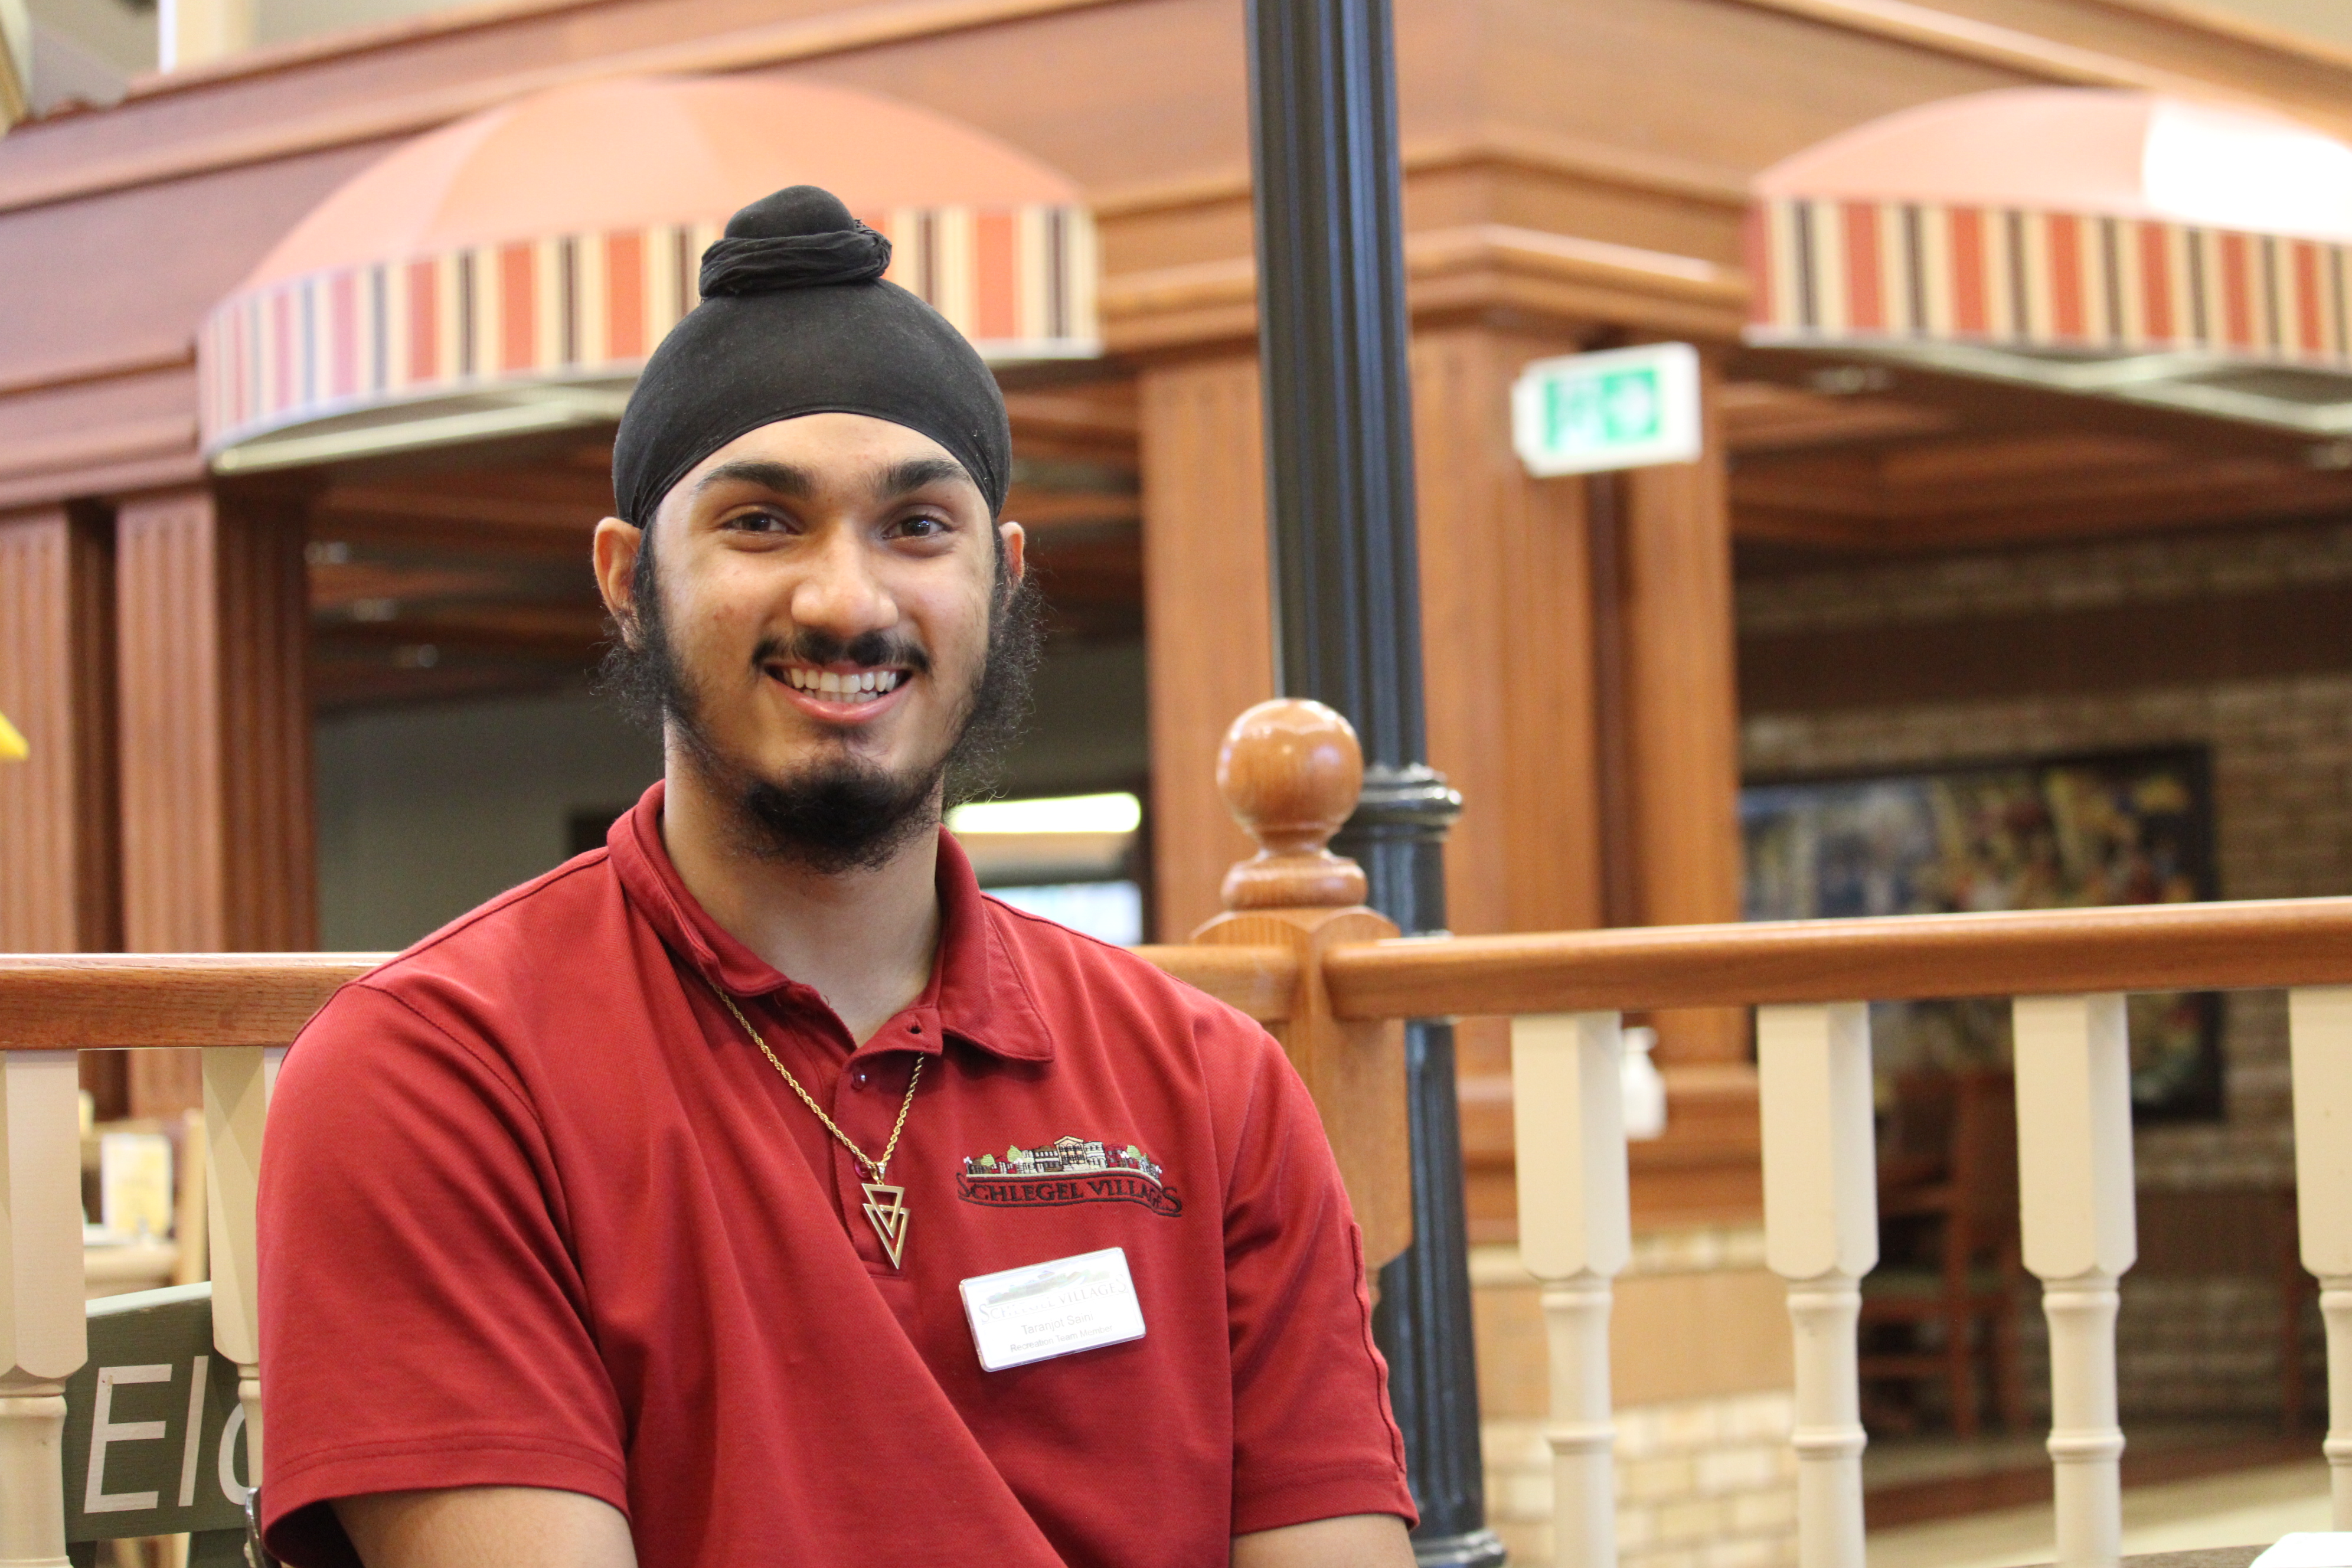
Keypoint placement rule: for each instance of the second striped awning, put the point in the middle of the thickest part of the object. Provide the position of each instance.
(2074, 220)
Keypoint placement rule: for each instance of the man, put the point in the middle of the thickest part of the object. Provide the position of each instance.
(753, 1191)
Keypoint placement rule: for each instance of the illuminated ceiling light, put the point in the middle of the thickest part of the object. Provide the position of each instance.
(1115, 813)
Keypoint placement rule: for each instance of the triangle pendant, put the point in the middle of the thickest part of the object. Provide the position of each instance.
(886, 1209)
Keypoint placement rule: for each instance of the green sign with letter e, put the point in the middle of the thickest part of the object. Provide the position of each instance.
(1625, 408)
(154, 1439)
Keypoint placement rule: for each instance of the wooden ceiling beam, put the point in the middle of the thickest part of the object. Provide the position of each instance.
(555, 627)
(1763, 416)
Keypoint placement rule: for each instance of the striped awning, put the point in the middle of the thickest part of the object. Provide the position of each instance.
(498, 275)
(2072, 221)
(1845, 271)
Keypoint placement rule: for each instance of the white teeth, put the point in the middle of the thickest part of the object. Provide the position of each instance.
(862, 687)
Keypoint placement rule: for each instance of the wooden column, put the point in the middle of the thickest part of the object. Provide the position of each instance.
(1679, 719)
(215, 747)
(1507, 642)
(60, 840)
(58, 875)
(1208, 614)
(1506, 629)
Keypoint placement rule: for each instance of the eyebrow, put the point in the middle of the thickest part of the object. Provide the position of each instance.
(786, 479)
(903, 478)
(782, 479)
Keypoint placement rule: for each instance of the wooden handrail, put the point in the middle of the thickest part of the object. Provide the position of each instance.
(53, 1002)
(127, 1001)
(1263, 981)
(2137, 947)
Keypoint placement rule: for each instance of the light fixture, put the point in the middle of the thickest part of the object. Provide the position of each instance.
(1113, 812)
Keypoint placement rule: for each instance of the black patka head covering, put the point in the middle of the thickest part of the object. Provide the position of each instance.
(794, 319)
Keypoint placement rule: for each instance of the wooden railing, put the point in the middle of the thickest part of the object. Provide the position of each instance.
(1296, 952)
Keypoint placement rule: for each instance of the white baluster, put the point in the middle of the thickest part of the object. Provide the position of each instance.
(238, 1081)
(2319, 1025)
(1575, 1235)
(42, 1338)
(1821, 1234)
(2075, 1182)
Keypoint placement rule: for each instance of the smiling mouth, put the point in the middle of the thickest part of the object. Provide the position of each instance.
(851, 686)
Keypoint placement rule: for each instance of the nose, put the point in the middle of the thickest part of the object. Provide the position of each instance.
(839, 594)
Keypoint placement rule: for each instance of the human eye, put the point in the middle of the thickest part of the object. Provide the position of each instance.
(921, 525)
(757, 520)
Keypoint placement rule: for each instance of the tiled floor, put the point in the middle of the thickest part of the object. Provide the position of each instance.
(1914, 1479)
(2246, 1508)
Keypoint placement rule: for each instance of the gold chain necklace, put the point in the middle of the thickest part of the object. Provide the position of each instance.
(886, 1206)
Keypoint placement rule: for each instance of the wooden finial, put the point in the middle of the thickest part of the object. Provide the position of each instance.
(1290, 771)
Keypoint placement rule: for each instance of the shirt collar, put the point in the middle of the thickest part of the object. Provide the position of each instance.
(979, 991)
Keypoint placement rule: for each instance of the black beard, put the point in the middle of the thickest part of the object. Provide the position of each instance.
(842, 815)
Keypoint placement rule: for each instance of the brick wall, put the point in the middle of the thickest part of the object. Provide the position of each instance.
(1704, 1480)
(2281, 752)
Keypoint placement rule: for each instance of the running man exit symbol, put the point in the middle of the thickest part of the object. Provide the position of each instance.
(1626, 408)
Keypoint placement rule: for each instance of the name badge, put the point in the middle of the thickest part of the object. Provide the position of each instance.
(1052, 1309)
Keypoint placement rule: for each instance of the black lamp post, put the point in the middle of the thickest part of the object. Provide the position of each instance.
(1339, 421)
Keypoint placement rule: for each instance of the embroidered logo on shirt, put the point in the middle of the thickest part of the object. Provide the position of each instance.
(1069, 1170)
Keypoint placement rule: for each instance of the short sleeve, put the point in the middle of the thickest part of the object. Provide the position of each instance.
(423, 1322)
(1313, 1436)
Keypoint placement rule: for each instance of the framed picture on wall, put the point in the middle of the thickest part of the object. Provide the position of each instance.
(2126, 828)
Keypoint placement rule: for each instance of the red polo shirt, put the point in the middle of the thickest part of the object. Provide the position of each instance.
(534, 1212)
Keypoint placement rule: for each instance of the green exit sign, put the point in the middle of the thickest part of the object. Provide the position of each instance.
(1625, 408)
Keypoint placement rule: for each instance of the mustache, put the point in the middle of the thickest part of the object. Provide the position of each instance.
(874, 649)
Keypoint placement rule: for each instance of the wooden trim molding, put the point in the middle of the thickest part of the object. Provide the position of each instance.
(891, 21)
(2240, 29)
(362, 38)
(2025, 53)
(78, 372)
(110, 443)
(105, 480)
(1596, 162)
(1448, 269)
(840, 32)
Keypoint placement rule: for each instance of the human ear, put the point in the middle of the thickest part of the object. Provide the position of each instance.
(614, 554)
(1016, 549)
